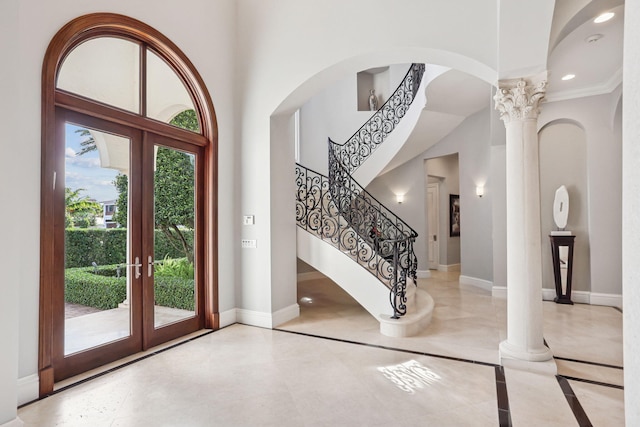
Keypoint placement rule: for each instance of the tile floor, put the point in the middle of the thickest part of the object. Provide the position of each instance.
(331, 367)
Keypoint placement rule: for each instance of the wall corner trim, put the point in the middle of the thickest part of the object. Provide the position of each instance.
(499, 291)
(267, 320)
(474, 281)
(28, 389)
(228, 317)
(612, 300)
(449, 267)
(284, 315)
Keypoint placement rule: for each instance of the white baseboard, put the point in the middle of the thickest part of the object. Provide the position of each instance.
(474, 281)
(253, 318)
(449, 267)
(310, 275)
(611, 300)
(16, 422)
(580, 297)
(267, 320)
(228, 317)
(28, 389)
(284, 315)
(423, 274)
(499, 291)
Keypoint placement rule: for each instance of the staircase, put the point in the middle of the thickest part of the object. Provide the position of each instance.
(336, 216)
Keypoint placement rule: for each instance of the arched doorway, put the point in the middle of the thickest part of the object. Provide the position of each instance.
(123, 102)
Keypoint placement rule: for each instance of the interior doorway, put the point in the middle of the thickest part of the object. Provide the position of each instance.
(433, 225)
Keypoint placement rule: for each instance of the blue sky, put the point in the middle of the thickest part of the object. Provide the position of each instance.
(85, 171)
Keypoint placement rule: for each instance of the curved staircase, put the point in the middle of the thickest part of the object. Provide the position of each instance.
(349, 236)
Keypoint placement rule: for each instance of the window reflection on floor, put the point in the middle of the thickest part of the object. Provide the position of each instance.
(409, 376)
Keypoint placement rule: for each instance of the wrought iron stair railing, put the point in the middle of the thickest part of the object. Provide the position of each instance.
(349, 218)
(357, 149)
(340, 211)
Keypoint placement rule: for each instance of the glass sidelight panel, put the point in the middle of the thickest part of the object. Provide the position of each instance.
(174, 218)
(97, 270)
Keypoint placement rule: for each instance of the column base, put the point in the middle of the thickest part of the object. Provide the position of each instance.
(509, 351)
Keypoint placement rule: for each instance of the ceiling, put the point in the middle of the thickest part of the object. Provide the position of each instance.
(597, 66)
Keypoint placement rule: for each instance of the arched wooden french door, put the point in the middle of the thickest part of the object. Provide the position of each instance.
(126, 107)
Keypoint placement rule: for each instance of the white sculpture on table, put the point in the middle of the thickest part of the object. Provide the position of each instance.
(560, 216)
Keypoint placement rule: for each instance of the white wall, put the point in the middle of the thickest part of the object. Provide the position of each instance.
(333, 113)
(630, 209)
(472, 141)
(206, 35)
(563, 161)
(597, 116)
(498, 180)
(10, 233)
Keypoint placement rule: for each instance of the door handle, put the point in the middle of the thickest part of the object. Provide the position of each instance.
(137, 265)
(150, 264)
(435, 238)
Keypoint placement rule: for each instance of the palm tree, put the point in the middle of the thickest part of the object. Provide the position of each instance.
(80, 210)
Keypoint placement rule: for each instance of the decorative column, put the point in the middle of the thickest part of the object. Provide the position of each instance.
(518, 102)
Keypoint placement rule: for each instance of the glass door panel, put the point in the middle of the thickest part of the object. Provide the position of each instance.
(174, 262)
(97, 273)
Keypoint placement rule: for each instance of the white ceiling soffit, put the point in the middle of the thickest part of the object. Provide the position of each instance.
(431, 128)
(451, 98)
(455, 92)
(597, 65)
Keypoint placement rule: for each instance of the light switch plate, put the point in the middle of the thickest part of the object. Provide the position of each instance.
(249, 243)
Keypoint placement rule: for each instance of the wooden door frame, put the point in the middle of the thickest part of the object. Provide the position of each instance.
(72, 366)
(151, 335)
(69, 36)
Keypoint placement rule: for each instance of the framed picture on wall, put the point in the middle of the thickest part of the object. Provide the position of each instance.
(454, 215)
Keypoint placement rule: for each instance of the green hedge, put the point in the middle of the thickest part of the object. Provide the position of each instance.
(105, 246)
(103, 290)
(175, 292)
(82, 286)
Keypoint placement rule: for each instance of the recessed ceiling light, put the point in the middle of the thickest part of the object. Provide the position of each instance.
(568, 76)
(604, 17)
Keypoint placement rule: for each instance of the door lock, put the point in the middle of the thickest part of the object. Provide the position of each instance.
(137, 265)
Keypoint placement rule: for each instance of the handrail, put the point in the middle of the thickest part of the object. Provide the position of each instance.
(318, 212)
(374, 131)
(390, 260)
(340, 211)
(372, 220)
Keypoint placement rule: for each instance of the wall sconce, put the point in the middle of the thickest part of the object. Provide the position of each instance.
(480, 190)
(399, 198)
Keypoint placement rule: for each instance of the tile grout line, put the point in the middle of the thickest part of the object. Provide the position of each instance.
(604, 365)
(574, 403)
(383, 347)
(504, 413)
(600, 383)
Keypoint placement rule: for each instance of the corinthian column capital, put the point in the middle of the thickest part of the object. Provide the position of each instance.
(520, 99)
